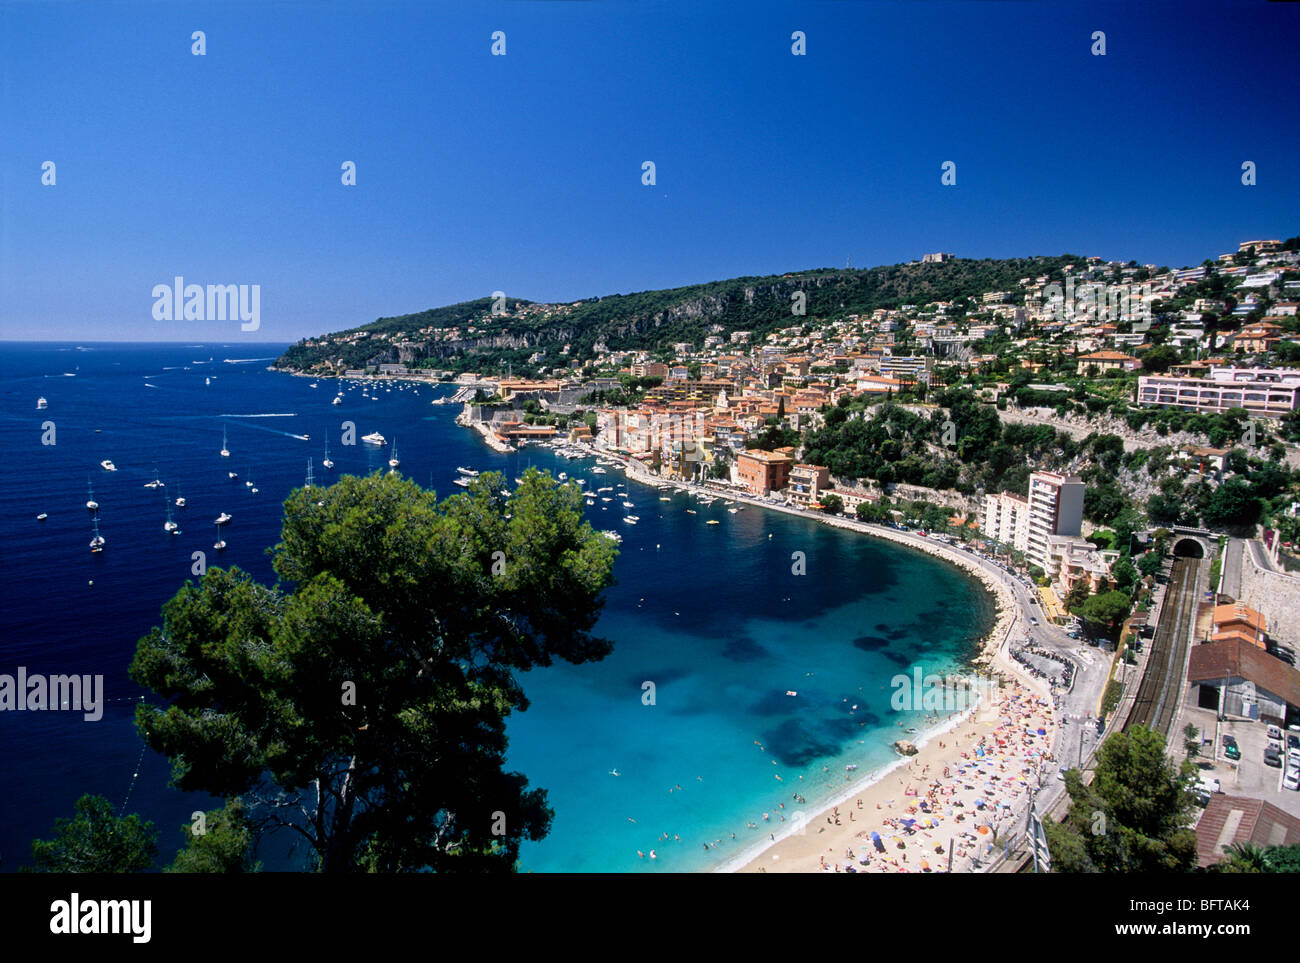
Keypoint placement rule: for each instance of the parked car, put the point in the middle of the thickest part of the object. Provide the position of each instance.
(1292, 779)
(1273, 757)
(1292, 742)
(1274, 733)
(1230, 747)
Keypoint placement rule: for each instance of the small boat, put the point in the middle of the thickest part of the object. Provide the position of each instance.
(180, 499)
(733, 510)
(470, 472)
(711, 521)
(462, 482)
(612, 536)
(328, 462)
(90, 502)
(598, 471)
(338, 400)
(41, 404)
(850, 768)
(97, 542)
(41, 517)
(562, 476)
(107, 465)
(225, 452)
(170, 525)
(207, 381)
(374, 438)
(220, 544)
(690, 511)
(628, 505)
(313, 385)
(664, 498)
(233, 475)
(222, 519)
(629, 519)
(157, 482)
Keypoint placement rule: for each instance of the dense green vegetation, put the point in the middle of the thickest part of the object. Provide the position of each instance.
(1133, 817)
(374, 693)
(654, 320)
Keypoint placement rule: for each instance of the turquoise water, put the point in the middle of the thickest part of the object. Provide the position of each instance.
(711, 614)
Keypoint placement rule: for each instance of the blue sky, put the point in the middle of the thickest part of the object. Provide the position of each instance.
(523, 173)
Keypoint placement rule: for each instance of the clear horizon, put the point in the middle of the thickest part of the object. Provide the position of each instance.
(523, 173)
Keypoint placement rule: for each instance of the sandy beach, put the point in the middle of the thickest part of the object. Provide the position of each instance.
(968, 786)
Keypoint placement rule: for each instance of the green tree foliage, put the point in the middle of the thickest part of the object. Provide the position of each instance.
(1106, 610)
(1133, 817)
(1232, 505)
(365, 709)
(832, 504)
(1160, 359)
(96, 841)
(224, 846)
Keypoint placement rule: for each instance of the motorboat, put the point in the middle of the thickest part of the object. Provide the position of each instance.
(328, 462)
(374, 438)
(469, 472)
(41, 404)
(97, 542)
(41, 517)
(225, 452)
(107, 465)
(222, 518)
(462, 482)
(90, 502)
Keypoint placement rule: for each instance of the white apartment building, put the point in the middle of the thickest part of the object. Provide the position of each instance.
(1270, 392)
(1055, 508)
(1006, 519)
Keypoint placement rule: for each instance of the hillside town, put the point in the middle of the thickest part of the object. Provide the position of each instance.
(1121, 437)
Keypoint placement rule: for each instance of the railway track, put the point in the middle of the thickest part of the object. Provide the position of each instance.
(1162, 683)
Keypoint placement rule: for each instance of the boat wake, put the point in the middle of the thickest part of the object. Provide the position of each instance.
(244, 360)
(278, 414)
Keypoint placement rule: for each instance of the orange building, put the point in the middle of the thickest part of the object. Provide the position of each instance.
(1237, 621)
(763, 471)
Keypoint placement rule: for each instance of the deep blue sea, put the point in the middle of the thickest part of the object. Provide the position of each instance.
(713, 615)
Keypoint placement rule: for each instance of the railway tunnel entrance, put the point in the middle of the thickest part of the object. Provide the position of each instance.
(1189, 548)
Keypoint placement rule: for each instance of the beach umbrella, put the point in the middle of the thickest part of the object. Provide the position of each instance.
(1042, 732)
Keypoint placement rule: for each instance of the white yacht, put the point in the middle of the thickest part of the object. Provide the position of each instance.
(598, 471)
(470, 472)
(107, 465)
(338, 400)
(233, 475)
(328, 462)
(90, 502)
(222, 518)
(462, 482)
(97, 542)
(220, 543)
(374, 438)
(392, 459)
(170, 525)
(612, 536)
(628, 505)
(180, 499)
(41, 517)
(225, 452)
(41, 404)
